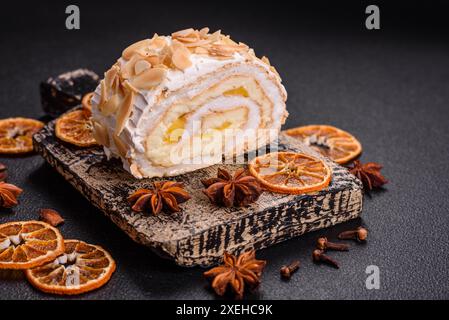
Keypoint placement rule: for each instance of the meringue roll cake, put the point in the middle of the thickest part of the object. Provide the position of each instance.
(174, 104)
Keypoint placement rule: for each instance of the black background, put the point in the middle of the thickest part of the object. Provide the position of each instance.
(388, 87)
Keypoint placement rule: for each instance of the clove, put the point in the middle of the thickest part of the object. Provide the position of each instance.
(319, 256)
(360, 234)
(287, 271)
(323, 244)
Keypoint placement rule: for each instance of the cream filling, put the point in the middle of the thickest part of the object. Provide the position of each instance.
(203, 130)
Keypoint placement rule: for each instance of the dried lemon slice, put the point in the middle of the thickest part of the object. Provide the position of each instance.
(81, 268)
(329, 141)
(16, 134)
(86, 101)
(75, 127)
(27, 244)
(290, 172)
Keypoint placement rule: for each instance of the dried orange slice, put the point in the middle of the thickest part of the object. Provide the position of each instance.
(16, 134)
(290, 172)
(81, 268)
(75, 127)
(86, 101)
(329, 141)
(27, 244)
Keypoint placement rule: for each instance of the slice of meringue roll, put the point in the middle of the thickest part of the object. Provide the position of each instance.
(174, 104)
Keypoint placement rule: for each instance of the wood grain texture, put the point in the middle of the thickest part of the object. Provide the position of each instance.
(202, 232)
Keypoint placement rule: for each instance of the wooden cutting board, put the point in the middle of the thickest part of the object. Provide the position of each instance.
(202, 232)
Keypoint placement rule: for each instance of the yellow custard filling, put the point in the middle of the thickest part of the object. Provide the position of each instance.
(239, 91)
(175, 130)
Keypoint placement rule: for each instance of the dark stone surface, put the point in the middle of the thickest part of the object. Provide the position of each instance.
(387, 87)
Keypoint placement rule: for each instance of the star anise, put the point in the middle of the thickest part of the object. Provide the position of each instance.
(236, 272)
(8, 195)
(229, 190)
(369, 174)
(165, 195)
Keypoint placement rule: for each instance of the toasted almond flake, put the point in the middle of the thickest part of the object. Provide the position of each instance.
(167, 61)
(100, 134)
(204, 32)
(147, 52)
(159, 42)
(153, 60)
(111, 105)
(181, 59)
(183, 33)
(201, 50)
(163, 66)
(242, 46)
(128, 69)
(221, 50)
(129, 51)
(177, 45)
(141, 66)
(124, 112)
(110, 76)
(135, 170)
(227, 40)
(190, 39)
(103, 94)
(265, 60)
(216, 36)
(128, 87)
(121, 147)
(149, 78)
(199, 43)
(273, 69)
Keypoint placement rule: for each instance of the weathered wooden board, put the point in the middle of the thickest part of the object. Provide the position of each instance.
(200, 234)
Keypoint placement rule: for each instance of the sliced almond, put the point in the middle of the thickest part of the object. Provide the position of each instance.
(110, 76)
(159, 42)
(141, 66)
(135, 170)
(153, 60)
(121, 147)
(228, 40)
(183, 33)
(111, 105)
(128, 69)
(177, 45)
(191, 39)
(163, 66)
(181, 59)
(201, 50)
(103, 94)
(147, 52)
(273, 69)
(131, 50)
(100, 134)
(199, 43)
(124, 112)
(149, 78)
(265, 60)
(242, 47)
(216, 36)
(204, 32)
(221, 50)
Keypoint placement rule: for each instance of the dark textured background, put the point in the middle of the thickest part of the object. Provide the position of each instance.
(389, 88)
